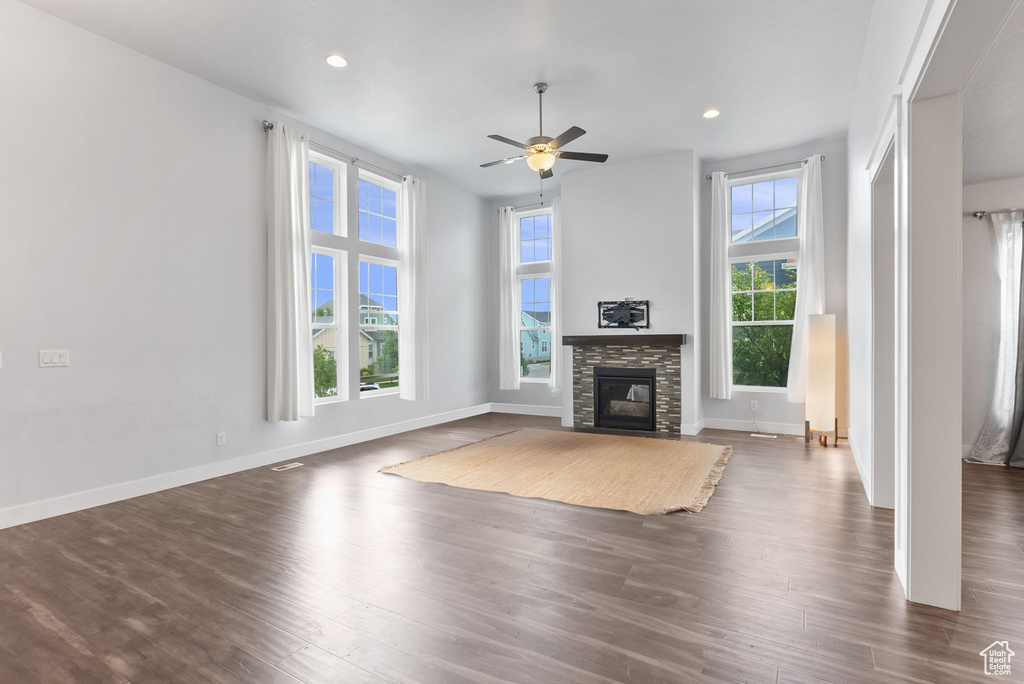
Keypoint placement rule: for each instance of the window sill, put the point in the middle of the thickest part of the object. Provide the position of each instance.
(768, 390)
(534, 381)
(328, 400)
(379, 393)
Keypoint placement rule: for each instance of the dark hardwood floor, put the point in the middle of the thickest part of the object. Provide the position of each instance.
(334, 573)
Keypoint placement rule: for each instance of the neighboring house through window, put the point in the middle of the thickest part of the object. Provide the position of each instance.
(763, 255)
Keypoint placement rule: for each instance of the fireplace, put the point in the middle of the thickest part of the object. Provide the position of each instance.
(659, 355)
(624, 398)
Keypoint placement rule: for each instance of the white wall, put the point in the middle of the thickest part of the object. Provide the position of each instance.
(891, 35)
(134, 236)
(981, 298)
(775, 412)
(628, 231)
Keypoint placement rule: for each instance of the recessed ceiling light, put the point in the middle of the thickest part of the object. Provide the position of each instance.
(711, 113)
(337, 61)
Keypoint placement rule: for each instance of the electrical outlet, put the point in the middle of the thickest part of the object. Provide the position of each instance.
(222, 438)
(753, 405)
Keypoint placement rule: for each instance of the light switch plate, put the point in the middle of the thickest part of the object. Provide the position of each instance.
(54, 358)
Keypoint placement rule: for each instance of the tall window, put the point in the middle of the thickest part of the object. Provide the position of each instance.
(763, 255)
(355, 342)
(378, 325)
(535, 311)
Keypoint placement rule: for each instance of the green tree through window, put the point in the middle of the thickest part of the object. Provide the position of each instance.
(325, 372)
(764, 295)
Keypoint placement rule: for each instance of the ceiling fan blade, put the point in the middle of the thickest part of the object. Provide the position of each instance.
(509, 141)
(507, 160)
(567, 137)
(584, 156)
(546, 174)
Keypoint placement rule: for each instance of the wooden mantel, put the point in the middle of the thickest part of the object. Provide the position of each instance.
(636, 338)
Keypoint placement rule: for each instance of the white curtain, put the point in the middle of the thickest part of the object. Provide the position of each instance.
(810, 281)
(508, 311)
(412, 288)
(997, 437)
(289, 339)
(721, 291)
(555, 380)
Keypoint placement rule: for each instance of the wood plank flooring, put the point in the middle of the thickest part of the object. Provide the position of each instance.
(334, 573)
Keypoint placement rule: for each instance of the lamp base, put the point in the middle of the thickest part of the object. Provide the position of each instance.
(822, 434)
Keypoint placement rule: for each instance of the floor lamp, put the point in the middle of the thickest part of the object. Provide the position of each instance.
(820, 409)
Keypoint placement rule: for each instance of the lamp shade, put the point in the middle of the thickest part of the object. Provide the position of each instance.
(821, 372)
(541, 161)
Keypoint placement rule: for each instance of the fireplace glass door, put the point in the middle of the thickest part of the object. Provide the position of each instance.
(624, 398)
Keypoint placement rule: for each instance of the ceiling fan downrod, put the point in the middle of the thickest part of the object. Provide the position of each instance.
(540, 88)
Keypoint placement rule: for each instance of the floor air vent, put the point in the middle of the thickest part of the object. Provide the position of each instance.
(288, 466)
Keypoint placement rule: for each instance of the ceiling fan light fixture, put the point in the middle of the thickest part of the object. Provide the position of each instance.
(541, 161)
(711, 113)
(336, 60)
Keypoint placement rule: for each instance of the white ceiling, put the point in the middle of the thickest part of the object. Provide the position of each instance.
(993, 109)
(428, 81)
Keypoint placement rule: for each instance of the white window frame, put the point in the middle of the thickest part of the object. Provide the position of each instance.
(338, 258)
(759, 250)
(534, 269)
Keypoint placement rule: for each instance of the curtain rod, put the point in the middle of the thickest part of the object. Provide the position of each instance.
(765, 168)
(980, 215)
(268, 126)
(528, 206)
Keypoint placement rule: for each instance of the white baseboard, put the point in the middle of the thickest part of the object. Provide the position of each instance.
(863, 469)
(691, 429)
(527, 409)
(48, 508)
(748, 426)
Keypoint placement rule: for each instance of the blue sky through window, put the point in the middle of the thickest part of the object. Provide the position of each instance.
(535, 296)
(764, 211)
(379, 284)
(377, 214)
(535, 238)
(321, 198)
(322, 277)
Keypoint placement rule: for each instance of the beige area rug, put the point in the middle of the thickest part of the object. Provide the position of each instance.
(638, 474)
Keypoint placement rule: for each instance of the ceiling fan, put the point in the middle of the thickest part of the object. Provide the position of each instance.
(542, 151)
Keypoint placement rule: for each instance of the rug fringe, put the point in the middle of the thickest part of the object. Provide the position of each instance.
(700, 499)
(437, 453)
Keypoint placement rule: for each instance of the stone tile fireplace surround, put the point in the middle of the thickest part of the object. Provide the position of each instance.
(658, 352)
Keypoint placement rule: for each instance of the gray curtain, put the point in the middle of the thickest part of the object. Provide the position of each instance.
(1015, 458)
(1001, 442)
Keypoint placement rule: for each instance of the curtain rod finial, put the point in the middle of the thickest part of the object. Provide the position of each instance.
(267, 126)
